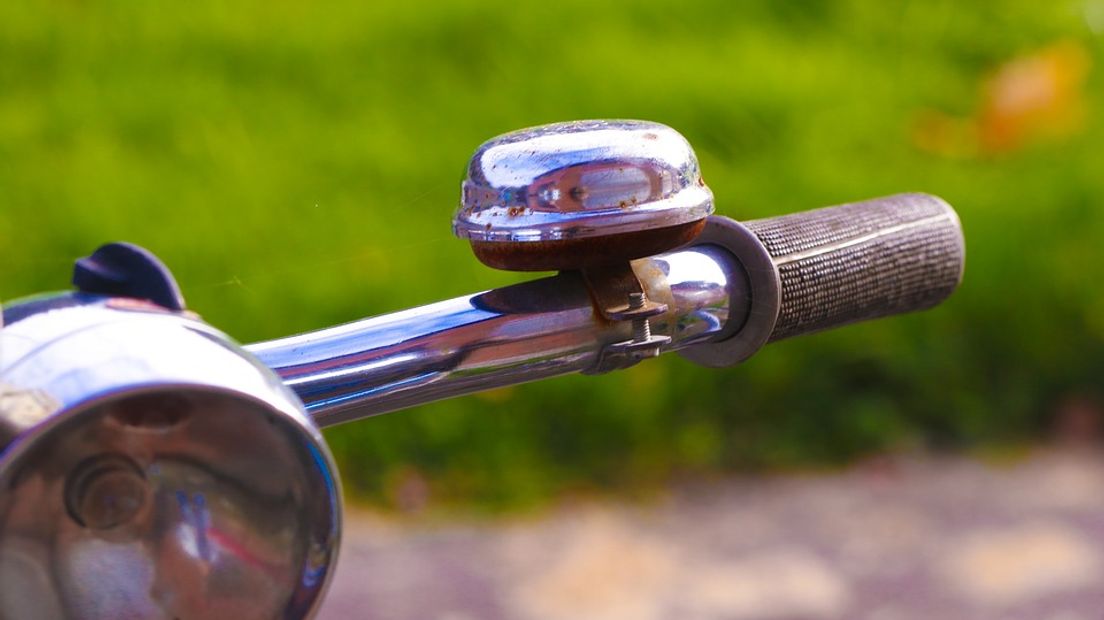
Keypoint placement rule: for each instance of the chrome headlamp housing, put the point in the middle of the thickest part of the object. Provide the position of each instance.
(152, 468)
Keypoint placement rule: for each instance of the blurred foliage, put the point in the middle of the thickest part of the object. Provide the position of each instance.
(297, 164)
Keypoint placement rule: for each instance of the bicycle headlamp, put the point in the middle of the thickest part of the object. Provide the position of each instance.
(152, 468)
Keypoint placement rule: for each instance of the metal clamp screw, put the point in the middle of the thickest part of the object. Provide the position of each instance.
(642, 329)
(644, 344)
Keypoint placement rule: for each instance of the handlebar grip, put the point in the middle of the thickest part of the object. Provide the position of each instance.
(863, 260)
(833, 266)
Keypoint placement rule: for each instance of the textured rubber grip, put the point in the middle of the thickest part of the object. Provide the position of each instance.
(863, 260)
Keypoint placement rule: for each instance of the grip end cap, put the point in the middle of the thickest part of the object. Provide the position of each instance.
(753, 306)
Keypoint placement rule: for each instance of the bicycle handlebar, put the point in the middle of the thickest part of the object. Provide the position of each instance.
(769, 279)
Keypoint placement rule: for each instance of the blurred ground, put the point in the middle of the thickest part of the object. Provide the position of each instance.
(897, 539)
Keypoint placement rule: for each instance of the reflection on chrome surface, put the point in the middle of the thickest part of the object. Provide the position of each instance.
(580, 179)
(191, 504)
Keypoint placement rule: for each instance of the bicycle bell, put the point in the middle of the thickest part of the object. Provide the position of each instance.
(150, 467)
(579, 194)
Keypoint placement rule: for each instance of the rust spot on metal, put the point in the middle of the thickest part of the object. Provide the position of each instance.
(596, 310)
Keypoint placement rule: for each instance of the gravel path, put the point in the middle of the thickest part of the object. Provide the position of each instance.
(888, 540)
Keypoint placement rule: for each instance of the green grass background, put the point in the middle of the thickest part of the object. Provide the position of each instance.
(297, 163)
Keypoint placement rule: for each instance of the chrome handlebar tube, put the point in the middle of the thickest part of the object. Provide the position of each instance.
(515, 334)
